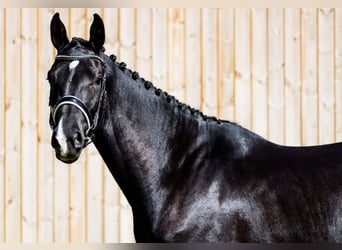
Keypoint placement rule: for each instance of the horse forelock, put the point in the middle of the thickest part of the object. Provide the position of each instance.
(79, 46)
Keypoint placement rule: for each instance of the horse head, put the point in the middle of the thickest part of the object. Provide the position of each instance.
(77, 88)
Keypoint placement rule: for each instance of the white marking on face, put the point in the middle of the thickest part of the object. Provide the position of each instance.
(61, 138)
(73, 64)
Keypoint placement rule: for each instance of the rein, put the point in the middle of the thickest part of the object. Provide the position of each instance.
(79, 104)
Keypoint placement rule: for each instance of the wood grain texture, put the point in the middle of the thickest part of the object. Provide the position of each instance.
(277, 72)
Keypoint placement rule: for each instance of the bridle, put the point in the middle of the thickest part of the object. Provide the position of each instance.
(79, 104)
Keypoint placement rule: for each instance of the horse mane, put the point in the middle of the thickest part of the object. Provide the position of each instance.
(159, 92)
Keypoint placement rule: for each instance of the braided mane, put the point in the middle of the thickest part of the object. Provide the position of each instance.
(159, 92)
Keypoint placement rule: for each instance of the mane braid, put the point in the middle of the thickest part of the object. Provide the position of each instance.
(147, 85)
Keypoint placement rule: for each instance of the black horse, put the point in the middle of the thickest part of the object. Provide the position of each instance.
(187, 177)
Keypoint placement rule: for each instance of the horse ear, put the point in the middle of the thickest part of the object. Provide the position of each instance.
(97, 32)
(58, 33)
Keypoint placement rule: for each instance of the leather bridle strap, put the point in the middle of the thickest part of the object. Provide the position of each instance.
(72, 58)
(72, 100)
(79, 104)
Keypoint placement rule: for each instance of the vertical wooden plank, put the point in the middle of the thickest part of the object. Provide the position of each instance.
(111, 227)
(111, 211)
(45, 153)
(176, 60)
(94, 191)
(192, 57)
(259, 71)
(77, 174)
(226, 64)
(159, 46)
(29, 35)
(127, 36)
(243, 68)
(94, 187)
(127, 53)
(144, 42)
(111, 23)
(326, 75)
(292, 76)
(61, 180)
(2, 125)
(78, 22)
(12, 127)
(276, 76)
(338, 73)
(309, 77)
(209, 62)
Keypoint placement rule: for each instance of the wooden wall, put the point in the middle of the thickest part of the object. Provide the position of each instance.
(275, 71)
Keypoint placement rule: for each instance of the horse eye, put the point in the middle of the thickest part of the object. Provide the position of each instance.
(98, 80)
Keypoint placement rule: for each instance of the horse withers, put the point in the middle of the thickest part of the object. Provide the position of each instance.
(188, 177)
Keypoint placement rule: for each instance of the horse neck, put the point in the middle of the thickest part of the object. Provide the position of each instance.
(139, 139)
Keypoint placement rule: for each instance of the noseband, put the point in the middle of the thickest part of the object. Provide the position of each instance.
(79, 104)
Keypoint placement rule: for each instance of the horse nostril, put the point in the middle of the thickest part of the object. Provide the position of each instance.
(78, 140)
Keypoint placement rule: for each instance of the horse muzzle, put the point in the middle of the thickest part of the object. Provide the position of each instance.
(67, 148)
